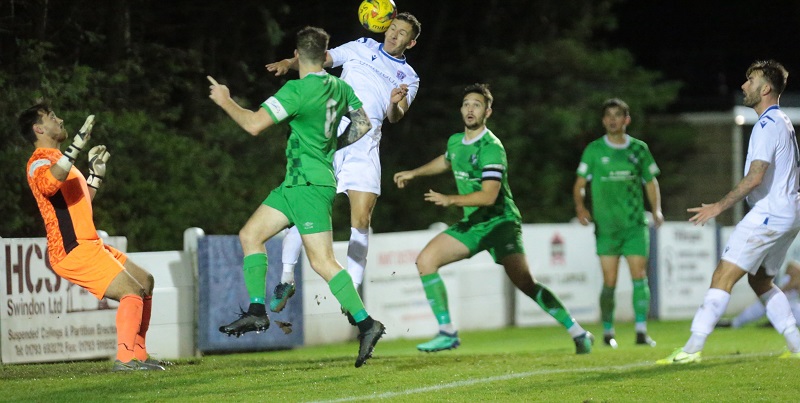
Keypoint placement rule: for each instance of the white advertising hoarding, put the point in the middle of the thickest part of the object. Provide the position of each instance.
(563, 257)
(44, 317)
(687, 256)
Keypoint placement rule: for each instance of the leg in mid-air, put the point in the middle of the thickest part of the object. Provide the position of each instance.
(292, 245)
(518, 272)
(261, 226)
(441, 250)
(319, 247)
(361, 206)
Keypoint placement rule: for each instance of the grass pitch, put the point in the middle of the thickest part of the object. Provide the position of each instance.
(514, 364)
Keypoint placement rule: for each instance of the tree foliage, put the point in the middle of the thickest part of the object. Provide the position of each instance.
(178, 161)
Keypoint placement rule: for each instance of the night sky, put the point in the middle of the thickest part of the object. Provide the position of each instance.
(709, 44)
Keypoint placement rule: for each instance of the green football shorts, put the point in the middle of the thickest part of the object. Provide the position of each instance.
(308, 207)
(500, 236)
(633, 241)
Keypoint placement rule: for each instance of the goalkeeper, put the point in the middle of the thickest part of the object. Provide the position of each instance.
(75, 250)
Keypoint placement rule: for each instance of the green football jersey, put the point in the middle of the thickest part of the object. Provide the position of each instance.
(617, 173)
(314, 105)
(483, 158)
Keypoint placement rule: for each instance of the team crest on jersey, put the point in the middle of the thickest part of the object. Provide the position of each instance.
(400, 75)
(374, 57)
(473, 159)
(605, 160)
(632, 158)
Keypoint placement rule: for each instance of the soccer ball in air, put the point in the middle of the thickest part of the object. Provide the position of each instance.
(377, 15)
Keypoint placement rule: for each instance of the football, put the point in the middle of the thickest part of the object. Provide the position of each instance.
(377, 15)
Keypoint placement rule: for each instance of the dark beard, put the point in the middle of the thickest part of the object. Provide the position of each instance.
(476, 125)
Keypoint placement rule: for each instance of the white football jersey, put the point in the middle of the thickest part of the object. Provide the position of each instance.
(773, 140)
(373, 74)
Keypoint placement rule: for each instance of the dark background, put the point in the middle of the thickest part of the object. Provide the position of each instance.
(709, 44)
(178, 161)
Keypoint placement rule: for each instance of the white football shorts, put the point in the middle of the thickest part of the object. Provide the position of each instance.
(358, 167)
(753, 244)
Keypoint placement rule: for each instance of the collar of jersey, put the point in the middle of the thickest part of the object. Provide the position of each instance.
(321, 73)
(618, 146)
(478, 137)
(769, 109)
(401, 61)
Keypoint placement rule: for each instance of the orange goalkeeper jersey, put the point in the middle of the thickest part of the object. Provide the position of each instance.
(66, 207)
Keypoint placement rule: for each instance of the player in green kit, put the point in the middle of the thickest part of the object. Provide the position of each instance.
(617, 165)
(314, 104)
(491, 221)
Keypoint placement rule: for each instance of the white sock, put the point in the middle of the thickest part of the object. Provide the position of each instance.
(357, 254)
(780, 315)
(292, 244)
(447, 328)
(792, 337)
(753, 312)
(794, 303)
(641, 327)
(287, 275)
(576, 330)
(707, 316)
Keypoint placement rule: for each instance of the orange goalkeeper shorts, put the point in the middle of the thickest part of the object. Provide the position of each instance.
(92, 265)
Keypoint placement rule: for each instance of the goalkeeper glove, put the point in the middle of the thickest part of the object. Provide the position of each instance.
(77, 144)
(98, 156)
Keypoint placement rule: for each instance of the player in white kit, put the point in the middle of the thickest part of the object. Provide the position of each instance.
(758, 244)
(789, 282)
(387, 85)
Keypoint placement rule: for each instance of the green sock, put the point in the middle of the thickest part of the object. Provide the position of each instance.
(342, 287)
(255, 276)
(552, 305)
(607, 305)
(437, 297)
(641, 299)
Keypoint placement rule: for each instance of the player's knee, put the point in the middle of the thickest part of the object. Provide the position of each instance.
(360, 219)
(249, 238)
(134, 289)
(759, 284)
(426, 264)
(149, 284)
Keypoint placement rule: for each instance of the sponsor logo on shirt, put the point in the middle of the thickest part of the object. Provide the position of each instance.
(617, 176)
(308, 225)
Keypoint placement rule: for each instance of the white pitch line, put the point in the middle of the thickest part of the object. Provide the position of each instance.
(476, 381)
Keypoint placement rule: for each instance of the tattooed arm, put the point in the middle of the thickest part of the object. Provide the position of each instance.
(753, 178)
(358, 127)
